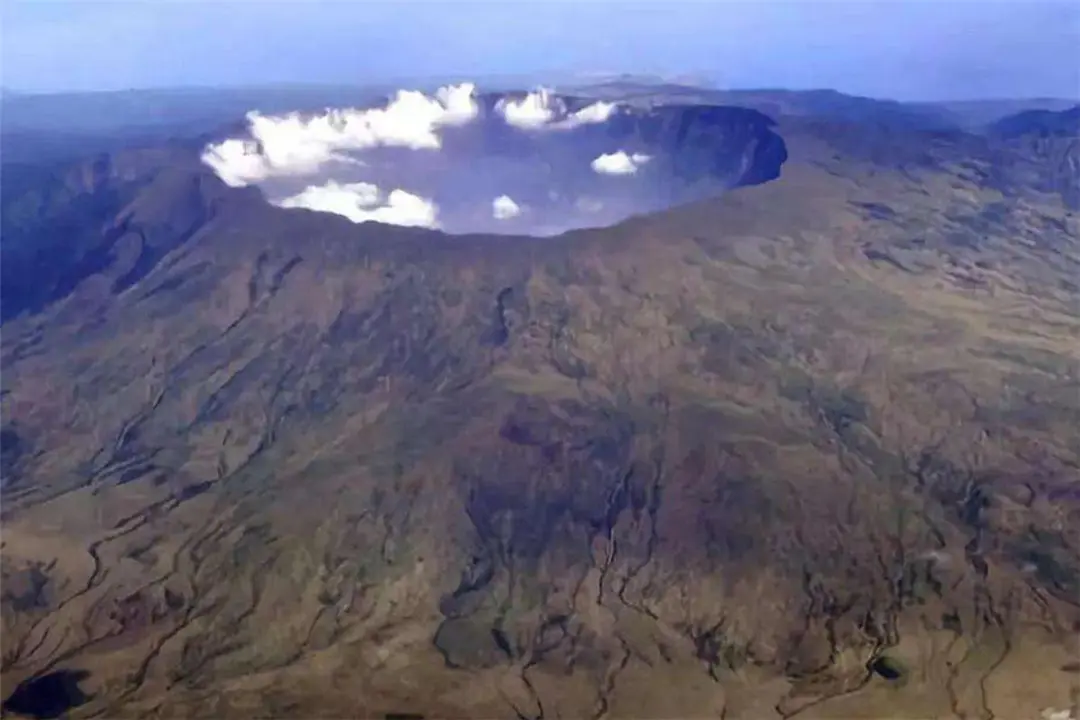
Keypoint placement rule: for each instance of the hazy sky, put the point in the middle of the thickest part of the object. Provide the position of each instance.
(906, 49)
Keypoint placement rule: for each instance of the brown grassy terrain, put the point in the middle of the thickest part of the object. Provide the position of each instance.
(808, 450)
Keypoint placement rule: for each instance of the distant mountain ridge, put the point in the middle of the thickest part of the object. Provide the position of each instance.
(1041, 123)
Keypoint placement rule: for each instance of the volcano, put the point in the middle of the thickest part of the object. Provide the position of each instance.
(804, 446)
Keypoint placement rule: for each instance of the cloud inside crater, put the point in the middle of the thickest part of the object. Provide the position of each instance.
(619, 163)
(364, 202)
(294, 144)
(542, 109)
(504, 208)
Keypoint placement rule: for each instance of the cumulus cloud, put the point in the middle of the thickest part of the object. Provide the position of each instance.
(541, 109)
(598, 112)
(504, 208)
(619, 163)
(535, 110)
(363, 202)
(236, 161)
(294, 144)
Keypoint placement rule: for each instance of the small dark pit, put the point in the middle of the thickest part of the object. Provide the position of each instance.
(9, 440)
(877, 210)
(193, 490)
(502, 641)
(48, 696)
(887, 668)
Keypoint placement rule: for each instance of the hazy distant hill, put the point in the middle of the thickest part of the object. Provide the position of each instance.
(981, 113)
(1039, 123)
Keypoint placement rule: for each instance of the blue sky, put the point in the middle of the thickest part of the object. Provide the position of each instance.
(910, 49)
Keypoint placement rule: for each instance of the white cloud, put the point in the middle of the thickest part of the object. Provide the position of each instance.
(504, 208)
(237, 162)
(298, 145)
(363, 202)
(541, 109)
(619, 163)
(596, 113)
(459, 103)
(535, 110)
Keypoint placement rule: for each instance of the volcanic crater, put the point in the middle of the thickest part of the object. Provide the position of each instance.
(535, 163)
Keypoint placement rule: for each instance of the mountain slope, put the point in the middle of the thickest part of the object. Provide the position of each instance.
(808, 449)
